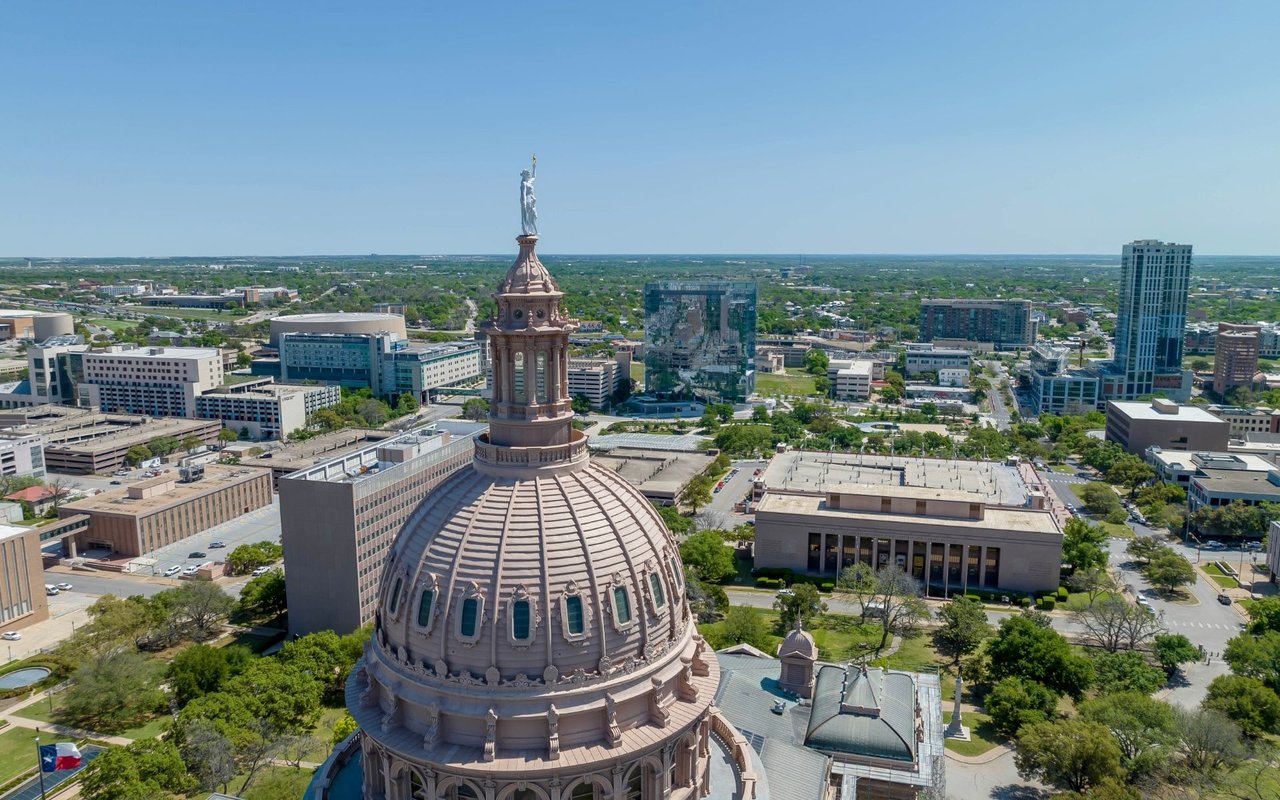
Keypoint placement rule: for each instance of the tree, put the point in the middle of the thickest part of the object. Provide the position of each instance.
(1173, 650)
(964, 626)
(675, 521)
(1145, 729)
(112, 693)
(190, 443)
(745, 624)
(1169, 571)
(208, 755)
(372, 412)
(1099, 499)
(406, 404)
(816, 362)
(859, 580)
(1074, 753)
(803, 603)
(899, 605)
(1264, 615)
(248, 557)
(1126, 671)
(1116, 624)
(1247, 702)
(822, 385)
(322, 656)
(581, 405)
(1131, 473)
(287, 699)
(1092, 582)
(1256, 657)
(201, 669)
(1143, 548)
(1023, 649)
(263, 596)
(200, 605)
(227, 436)
(708, 556)
(148, 769)
(162, 446)
(136, 455)
(697, 492)
(1014, 702)
(1209, 739)
(344, 728)
(1233, 520)
(475, 409)
(1083, 545)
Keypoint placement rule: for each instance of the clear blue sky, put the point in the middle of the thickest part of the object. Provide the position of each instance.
(160, 128)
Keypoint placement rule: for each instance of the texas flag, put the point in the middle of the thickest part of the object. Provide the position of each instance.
(63, 755)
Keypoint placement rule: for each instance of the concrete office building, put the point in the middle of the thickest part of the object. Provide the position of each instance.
(1247, 420)
(158, 381)
(1139, 425)
(1221, 487)
(954, 525)
(383, 362)
(22, 454)
(925, 357)
(359, 323)
(953, 377)
(1150, 322)
(308, 452)
(22, 597)
(598, 379)
(137, 519)
(1178, 466)
(1056, 388)
(1006, 324)
(338, 517)
(851, 378)
(700, 340)
(271, 411)
(98, 443)
(1235, 356)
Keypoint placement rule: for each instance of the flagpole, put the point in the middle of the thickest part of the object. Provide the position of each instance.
(40, 767)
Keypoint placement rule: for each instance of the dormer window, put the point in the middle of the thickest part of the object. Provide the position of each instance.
(655, 590)
(621, 600)
(393, 602)
(470, 618)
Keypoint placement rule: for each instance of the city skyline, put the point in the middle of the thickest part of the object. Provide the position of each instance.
(984, 129)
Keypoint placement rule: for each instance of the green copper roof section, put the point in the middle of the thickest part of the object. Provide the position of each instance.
(866, 712)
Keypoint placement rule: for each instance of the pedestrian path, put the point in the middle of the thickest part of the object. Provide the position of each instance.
(1177, 623)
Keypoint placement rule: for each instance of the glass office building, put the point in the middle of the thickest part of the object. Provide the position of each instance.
(700, 340)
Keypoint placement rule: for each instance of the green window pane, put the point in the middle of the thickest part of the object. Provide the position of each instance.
(622, 603)
(424, 607)
(395, 595)
(573, 607)
(655, 584)
(470, 610)
(520, 620)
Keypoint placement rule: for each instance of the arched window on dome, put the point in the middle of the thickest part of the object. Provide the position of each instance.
(574, 620)
(426, 607)
(393, 599)
(634, 788)
(678, 572)
(656, 593)
(620, 600)
(469, 619)
(522, 617)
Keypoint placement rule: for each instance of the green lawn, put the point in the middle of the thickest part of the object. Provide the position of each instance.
(982, 736)
(1116, 529)
(915, 655)
(1078, 601)
(271, 783)
(637, 375)
(839, 636)
(17, 753)
(1219, 577)
(1065, 469)
(324, 733)
(770, 384)
(115, 325)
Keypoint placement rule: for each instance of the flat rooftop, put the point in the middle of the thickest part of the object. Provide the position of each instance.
(118, 501)
(1239, 462)
(164, 351)
(1144, 410)
(658, 474)
(108, 434)
(991, 482)
(375, 458)
(326, 446)
(1018, 520)
(1237, 482)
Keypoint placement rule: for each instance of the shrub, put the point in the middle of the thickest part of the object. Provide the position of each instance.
(1047, 603)
(1062, 594)
(771, 572)
(1025, 602)
(770, 583)
(827, 586)
(977, 598)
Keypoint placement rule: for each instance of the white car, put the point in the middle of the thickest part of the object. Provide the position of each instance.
(64, 586)
(174, 570)
(10, 636)
(261, 571)
(191, 570)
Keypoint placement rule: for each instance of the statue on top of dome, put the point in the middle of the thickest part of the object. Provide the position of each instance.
(528, 203)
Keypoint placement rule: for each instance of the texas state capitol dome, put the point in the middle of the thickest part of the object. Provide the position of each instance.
(532, 640)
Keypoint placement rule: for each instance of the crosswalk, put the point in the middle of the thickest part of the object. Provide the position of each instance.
(1173, 623)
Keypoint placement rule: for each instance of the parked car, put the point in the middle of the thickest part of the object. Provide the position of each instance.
(261, 571)
(1225, 599)
(191, 570)
(197, 554)
(1084, 475)
(1213, 544)
(216, 545)
(10, 636)
(174, 570)
(64, 586)
(50, 590)
(115, 483)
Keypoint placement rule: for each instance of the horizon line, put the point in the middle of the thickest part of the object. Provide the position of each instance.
(618, 254)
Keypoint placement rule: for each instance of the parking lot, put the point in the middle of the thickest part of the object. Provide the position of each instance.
(256, 526)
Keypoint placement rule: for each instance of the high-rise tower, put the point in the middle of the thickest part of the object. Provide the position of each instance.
(1150, 319)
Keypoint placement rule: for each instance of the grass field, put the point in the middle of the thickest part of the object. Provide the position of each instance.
(1219, 577)
(17, 752)
(775, 385)
(1065, 469)
(115, 325)
(915, 655)
(1116, 530)
(839, 636)
(982, 736)
(39, 712)
(637, 375)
